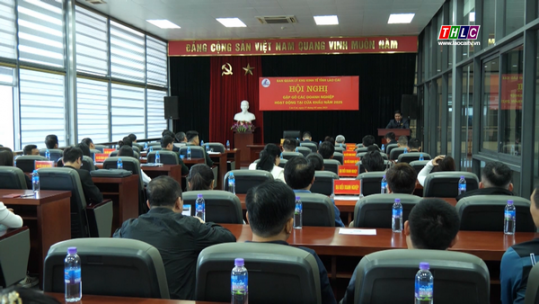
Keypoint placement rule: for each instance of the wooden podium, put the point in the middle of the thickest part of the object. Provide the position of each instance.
(241, 141)
(398, 132)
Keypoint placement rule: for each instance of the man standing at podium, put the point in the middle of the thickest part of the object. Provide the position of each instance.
(399, 122)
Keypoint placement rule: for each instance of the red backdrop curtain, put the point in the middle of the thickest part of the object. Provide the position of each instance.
(227, 92)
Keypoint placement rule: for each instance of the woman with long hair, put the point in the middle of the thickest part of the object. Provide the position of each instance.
(200, 178)
(440, 163)
(269, 161)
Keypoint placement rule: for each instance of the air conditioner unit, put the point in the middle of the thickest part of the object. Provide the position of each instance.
(277, 19)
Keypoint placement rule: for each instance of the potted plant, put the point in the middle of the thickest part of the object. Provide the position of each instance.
(243, 127)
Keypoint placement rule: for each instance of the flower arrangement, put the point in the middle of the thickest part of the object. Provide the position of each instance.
(243, 127)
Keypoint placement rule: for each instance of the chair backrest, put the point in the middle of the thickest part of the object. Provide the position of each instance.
(101, 148)
(309, 145)
(323, 182)
(27, 162)
(135, 153)
(338, 156)
(154, 144)
(361, 154)
(221, 206)
(371, 182)
(282, 162)
(107, 261)
(290, 155)
(418, 165)
(12, 178)
(459, 277)
(247, 179)
(532, 288)
(113, 153)
(331, 165)
(93, 152)
(129, 163)
(391, 147)
(291, 134)
(87, 163)
(317, 210)
(292, 272)
(395, 152)
(486, 213)
(374, 211)
(361, 149)
(56, 154)
(167, 157)
(445, 184)
(68, 179)
(217, 147)
(304, 151)
(387, 164)
(340, 149)
(412, 156)
(14, 254)
(196, 151)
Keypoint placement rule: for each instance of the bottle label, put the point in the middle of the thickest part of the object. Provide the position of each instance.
(397, 213)
(462, 187)
(510, 215)
(72, 275)
(239, 284)
(299, 208)
(231, 183)
(35, 179)
(200, 207)
(423, 291)
(384, 184)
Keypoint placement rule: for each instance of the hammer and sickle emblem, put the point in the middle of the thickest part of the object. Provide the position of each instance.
(227, 69)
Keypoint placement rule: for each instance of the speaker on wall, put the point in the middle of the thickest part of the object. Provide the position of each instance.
(171, 107)
(409, 106)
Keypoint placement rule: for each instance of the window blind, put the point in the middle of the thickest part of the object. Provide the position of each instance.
(42, 107)
(156, 62)
(6, 76)
(92, 110)
(91, 39)
(127, 53)
(156, 113)
(127, 108)
(8, 30)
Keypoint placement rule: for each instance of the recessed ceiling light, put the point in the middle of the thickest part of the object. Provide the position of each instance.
(231, 22)
(472, 17)
(163, 23)
(400, 18)
(326, 20)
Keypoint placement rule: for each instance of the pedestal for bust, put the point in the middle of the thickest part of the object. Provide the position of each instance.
(241, 140)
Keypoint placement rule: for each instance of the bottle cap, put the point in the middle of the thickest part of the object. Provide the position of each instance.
(384, 176)
(199, 195)
(239, 262)
(71, 250)
(510, 202)
(462, 176)
(35, 171)
(424, 266)
(231, 174)
(397, 200)
(298, 198)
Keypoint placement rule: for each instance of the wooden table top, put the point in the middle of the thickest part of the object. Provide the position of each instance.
(193, 161)
(89, 299)
(44, 196)
(489, 246)
(233, 151)
(114, 180)
(159, 168)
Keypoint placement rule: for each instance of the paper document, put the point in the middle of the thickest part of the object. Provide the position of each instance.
(346, 197)
(357, 231)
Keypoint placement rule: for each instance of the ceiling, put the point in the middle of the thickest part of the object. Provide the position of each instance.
(197, 17)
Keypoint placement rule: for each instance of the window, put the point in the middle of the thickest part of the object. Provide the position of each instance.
(127, 108)
(156, 62)
(127, 53)
(467, 118)
(8, 38)
(449, 112)
(42, 107)
(489, 23)
(41, 32)
(6, 100)
(514, 15)
(92, 110)
(489, 117)
(156, 113)
(438, 133)
(91, 39)
(511, 101)
(468, 17)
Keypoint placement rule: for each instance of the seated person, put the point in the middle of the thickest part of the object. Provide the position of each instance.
(340, 139)
(390, 138)
(402, 142)
(73, 159)
(88, 141)
(414, 145)
(299, 175)
(516, 262)
(326, 150)
(289, 145)
(30, 150)
(180, 140)
(133, 137)
(167, 143)
(401, 178)
(495, 179)
(193, 139)
(127, 151)
(330, 139)
(373, 148)
(85, 149)
(200, 178)
(368, 140)
(316, 160)
(270, 212)
(51, 141)
(6, 159)
(372, 161)
(307, 138)
(8, 219)
(178, 238)
(269, 161)
(432, 224)
(440, 163)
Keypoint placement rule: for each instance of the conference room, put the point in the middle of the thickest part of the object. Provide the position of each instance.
(299, 151)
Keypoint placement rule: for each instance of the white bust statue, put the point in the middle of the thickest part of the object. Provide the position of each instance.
(244, 115)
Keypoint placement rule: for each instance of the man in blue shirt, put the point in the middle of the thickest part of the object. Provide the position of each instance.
(517, 262)
(270, 211)
(299, 175)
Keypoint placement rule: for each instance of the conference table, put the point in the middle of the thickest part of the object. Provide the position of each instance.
(220, 159)
(235, 155)
(90, 299)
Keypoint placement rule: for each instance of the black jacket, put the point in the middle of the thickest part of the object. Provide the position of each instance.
(91, 192)
(179, 240)
(209, 162)
(393, 124)
(485, 191)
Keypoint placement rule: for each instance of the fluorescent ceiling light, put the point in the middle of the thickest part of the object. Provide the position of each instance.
(231, 22)
(163, 23)
(472, 17)
(400, 18)
(326, 20)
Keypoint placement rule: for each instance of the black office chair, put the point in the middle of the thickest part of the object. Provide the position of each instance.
(331, 165)
(395, 152)
(361, 149)
(277, 273)
(338, 156)
(221, 206)
(291, 134)
(216, 147)
(56, 154)
(323, 182)
(445, 184)
(12, 178)
(14, 254)
(388, 164)
(412, 156)
(371, 182)
(485, 213)
(304, 151)
(390, 147)
(361, 154)
(27, 162)
(532, 288)
(196, 152)
(282, 162)
(166, 157)
(318, 210)
(290, 155)
(106, 263)
(247, 179)
(418, 165)
(87, 163)
(374, 211)
(132, 165)
(310, 145)
(340, 149)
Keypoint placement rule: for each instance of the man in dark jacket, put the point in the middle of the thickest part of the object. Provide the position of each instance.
(73, 159)
(399, 122)
(178, 238)
(194, 140)
(495, 179)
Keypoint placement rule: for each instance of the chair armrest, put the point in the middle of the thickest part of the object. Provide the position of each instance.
(93, 206)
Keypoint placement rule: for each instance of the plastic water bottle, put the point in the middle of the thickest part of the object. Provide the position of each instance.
(298, 214)
(48, 154)
(405, 150)
(421, 157)
(320, 143)
(297, 149)
(72, 277)
(200, 207)
(383, 148)
(146, 146)
(342, 146)
(282, 155)
(424, 283)
(231, 183)
(36, 186)
(384, 185)
(510, 216)
(228, 145)
(157, 157)
(396, 219)
(151, 148)
(239, 283)
(188, 153)
(207, 148)
(120, 164)
(202, 143)
(462, 185)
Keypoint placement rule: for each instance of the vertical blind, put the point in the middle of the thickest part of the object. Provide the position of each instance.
(156, 113)
(91, 39)
(6, 76)
(156, 62)
(127, 53)
(127, 110)
(8, 31)
(92, 110)
(41, 32)
(42, 107)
